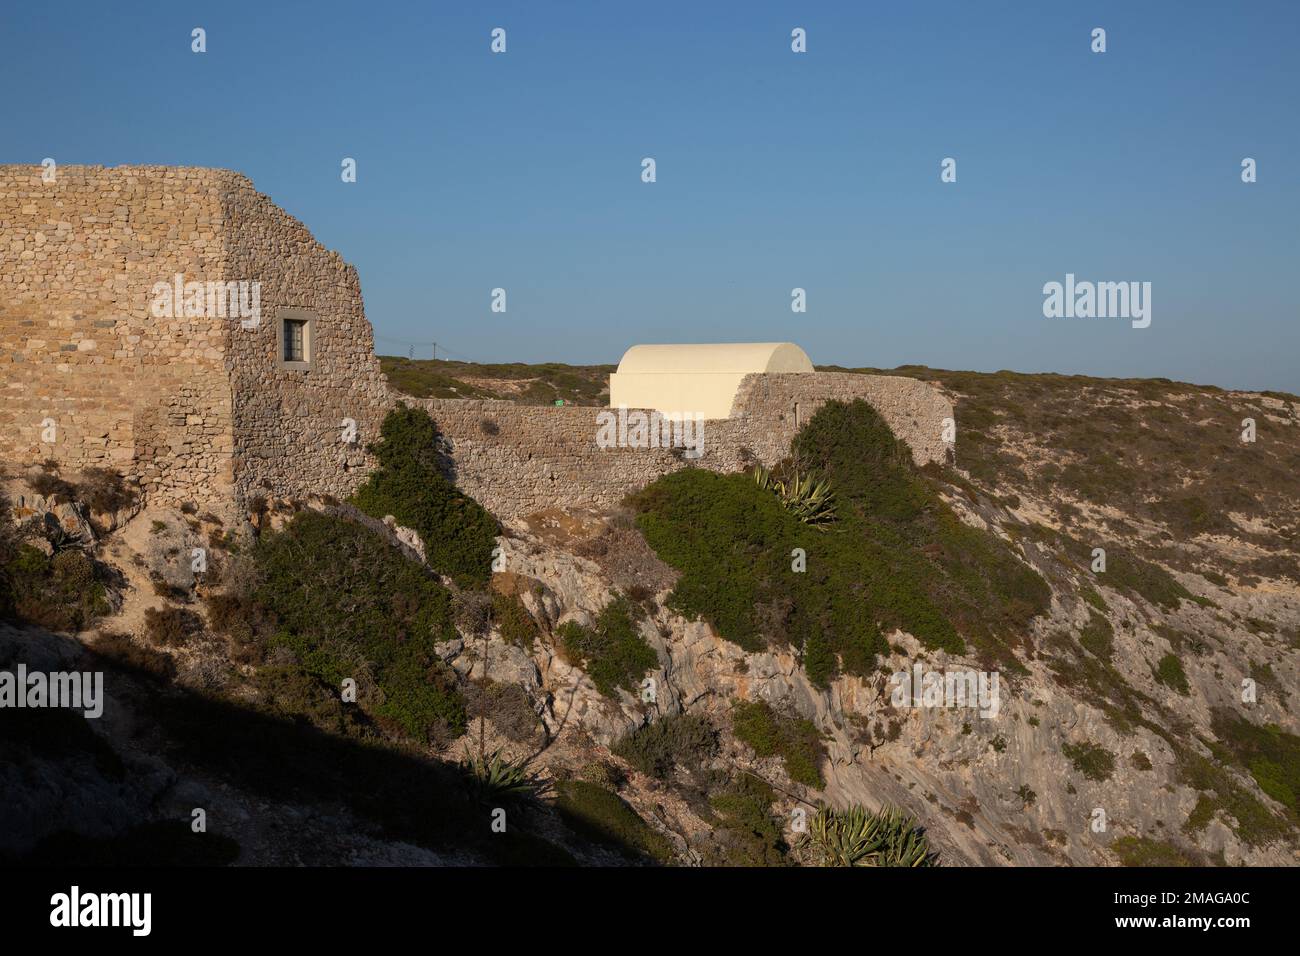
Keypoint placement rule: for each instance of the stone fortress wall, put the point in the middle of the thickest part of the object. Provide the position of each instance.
(88, 377)
(548, 457)
(204, 410)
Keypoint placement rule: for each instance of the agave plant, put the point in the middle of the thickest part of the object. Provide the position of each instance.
(808, 498)
(493, 777)
(856, 837)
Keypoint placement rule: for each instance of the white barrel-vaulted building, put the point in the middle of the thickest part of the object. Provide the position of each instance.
(696, 379)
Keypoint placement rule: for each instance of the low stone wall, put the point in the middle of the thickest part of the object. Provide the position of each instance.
(518, 459)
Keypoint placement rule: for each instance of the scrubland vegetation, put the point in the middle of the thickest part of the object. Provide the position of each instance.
(294, 607)
(542, 384)
(895, 557)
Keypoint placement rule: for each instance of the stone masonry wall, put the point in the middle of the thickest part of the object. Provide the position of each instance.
(88, 376)
(532, 458)
(288, 422)
(202, 409)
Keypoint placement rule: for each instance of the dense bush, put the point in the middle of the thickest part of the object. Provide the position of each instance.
(896, 557)
(1270, 754)
(747, 833)
(657, 749)
(345, 603)
(770, 734)
(1128, 572)
(513, 620)
(928, 566)
(612, 652)
(1143, 851)
(604, 773)
(1169, 671)
(1098, 636)
(64, 592)
(409, 484)
(1091, 760)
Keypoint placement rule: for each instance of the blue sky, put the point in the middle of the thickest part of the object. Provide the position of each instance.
(775, 170)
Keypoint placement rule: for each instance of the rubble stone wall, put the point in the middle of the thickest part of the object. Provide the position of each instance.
(518, 459)
(289, 423)
(90, 377)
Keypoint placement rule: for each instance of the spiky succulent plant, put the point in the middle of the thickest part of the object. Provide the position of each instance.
(493, 777)
(857, 837)
(805, 496)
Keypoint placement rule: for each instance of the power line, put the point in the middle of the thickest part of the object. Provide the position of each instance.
(432, 346)
(411, 346)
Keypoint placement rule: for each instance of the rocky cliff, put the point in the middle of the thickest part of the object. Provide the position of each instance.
(1143, 712)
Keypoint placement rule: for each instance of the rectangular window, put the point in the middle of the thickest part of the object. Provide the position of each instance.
(295, 340)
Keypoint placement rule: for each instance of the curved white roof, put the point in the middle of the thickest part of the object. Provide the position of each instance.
(737, 358)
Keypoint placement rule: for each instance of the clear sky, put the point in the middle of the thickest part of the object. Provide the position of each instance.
(775, 170)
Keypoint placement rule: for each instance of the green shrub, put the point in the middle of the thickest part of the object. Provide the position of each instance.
(612, 652)
(1169, 671)
(243, 620)
(657, 749)
(1098, 636)
(793, 739)
(819, 660)
(733, 541)
(288, 690)
(1270, 754)
(1127, 571)
(897, 556)
(602, 816)
(1253, 822)
(348, 604)
(1143, 851)
(409, 484)
(747, 833)
(513, 620)
(1094, 762)
(1094, 598)
(65, 592)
